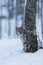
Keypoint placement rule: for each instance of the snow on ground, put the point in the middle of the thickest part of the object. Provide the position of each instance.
(11, 53)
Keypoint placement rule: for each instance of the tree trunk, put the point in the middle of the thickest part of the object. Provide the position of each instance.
(30, 41)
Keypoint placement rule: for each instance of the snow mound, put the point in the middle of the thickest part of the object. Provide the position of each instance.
(11, 53)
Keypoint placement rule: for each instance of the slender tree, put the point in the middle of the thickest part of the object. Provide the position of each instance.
(10, 11)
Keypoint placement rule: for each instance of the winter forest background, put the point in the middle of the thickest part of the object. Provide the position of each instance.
(10, 17)
(21, 32)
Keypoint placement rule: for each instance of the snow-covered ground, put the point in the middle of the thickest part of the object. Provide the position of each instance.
(11, 53)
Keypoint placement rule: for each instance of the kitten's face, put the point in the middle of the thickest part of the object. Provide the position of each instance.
(19, 30)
